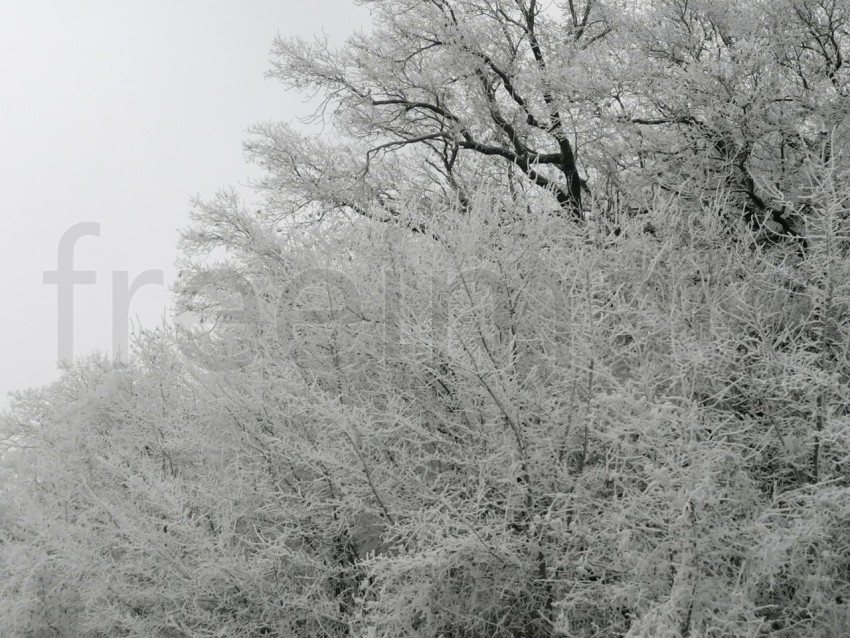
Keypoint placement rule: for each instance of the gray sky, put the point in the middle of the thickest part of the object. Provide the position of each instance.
(117, 112)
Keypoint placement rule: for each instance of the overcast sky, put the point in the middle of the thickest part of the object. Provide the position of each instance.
(117, 112)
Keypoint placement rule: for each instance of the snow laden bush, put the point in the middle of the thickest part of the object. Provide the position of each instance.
(513, 425)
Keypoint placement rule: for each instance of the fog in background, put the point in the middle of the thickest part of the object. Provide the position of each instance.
(117, 113)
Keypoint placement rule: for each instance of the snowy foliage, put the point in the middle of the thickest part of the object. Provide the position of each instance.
(443, 407)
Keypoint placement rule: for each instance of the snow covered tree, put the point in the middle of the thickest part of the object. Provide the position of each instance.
(437, 97)
(597, 103)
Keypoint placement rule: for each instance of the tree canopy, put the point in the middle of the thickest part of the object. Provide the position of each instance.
(595, 103)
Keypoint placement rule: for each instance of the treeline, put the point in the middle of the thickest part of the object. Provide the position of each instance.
(551, 338)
